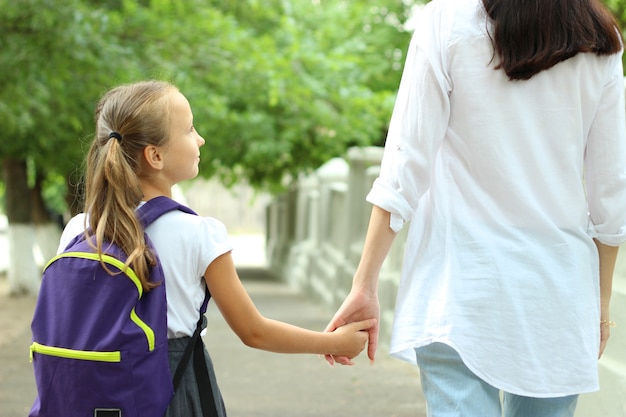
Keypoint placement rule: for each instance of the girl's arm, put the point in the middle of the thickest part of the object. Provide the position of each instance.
(608, 257)
(259, 332)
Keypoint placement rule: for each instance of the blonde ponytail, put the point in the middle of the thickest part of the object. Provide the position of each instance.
(128, 118)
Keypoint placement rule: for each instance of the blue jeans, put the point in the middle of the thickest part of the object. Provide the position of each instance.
(452, 390)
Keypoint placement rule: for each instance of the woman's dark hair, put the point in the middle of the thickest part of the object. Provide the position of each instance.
(530, 36)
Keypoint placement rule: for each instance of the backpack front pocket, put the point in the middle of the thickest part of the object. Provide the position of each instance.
(74, 382)
(74, 353)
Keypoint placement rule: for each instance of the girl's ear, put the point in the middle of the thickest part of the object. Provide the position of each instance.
(153, 157)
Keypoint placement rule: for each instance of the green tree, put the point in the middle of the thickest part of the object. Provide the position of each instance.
(276, 90)
(290, 84)
(53, 61)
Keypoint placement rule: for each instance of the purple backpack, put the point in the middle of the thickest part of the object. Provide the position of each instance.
(99, 340)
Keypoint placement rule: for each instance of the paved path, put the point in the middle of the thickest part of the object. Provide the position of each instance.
(254, 383)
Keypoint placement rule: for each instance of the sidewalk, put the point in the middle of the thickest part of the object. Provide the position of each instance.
(254, 383)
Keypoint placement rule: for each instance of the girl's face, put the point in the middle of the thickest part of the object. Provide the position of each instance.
(182, 152)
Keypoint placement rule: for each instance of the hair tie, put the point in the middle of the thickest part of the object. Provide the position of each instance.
(115, 135)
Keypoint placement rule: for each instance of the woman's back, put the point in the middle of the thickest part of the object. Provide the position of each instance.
(515, 180)
(519, 146)
(513, 152)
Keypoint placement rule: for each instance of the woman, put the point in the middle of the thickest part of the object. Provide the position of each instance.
(507, 150)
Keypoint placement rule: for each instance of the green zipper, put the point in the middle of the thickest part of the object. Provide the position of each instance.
(84, 355)
(106, 259)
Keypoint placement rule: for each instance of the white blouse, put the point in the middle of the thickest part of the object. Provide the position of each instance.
(506, 183)
(186, 245)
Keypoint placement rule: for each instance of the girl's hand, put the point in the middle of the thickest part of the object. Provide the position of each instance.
(352, 338)
(357, 306)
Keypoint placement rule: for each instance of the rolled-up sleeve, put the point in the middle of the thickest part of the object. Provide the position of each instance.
(605, 163)
(417, 127)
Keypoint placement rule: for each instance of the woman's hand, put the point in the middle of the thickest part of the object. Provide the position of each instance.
(352, 338)
(357, 306)
(607, 256)
(605, 328)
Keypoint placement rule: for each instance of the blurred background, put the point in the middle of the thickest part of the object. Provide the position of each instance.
(278, 87)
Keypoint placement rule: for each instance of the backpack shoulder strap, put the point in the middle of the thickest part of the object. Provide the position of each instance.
(148, 213)
(158, 206)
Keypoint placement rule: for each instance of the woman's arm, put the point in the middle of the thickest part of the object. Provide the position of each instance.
(259, 332)
(608, 257)
(362, 302)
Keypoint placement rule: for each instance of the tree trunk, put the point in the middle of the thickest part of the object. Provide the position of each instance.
(47, 225)
(18, 200)
(23, 273)
(40, 213)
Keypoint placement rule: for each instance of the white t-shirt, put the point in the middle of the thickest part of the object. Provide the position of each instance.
(506, 183)
(186, 245)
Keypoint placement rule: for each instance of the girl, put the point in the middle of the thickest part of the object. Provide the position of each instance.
(145, 143)
(507, 151)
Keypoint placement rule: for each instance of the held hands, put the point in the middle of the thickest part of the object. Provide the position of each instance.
(359, 305)
(352, 338)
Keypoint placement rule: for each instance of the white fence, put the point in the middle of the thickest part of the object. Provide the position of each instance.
(315, 234)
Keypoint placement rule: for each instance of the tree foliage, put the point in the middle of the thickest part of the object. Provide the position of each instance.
(278, 87)
(54, 60)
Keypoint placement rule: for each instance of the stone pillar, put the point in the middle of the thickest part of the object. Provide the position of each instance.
(305, 242)
(280, 231)
(332, 230)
